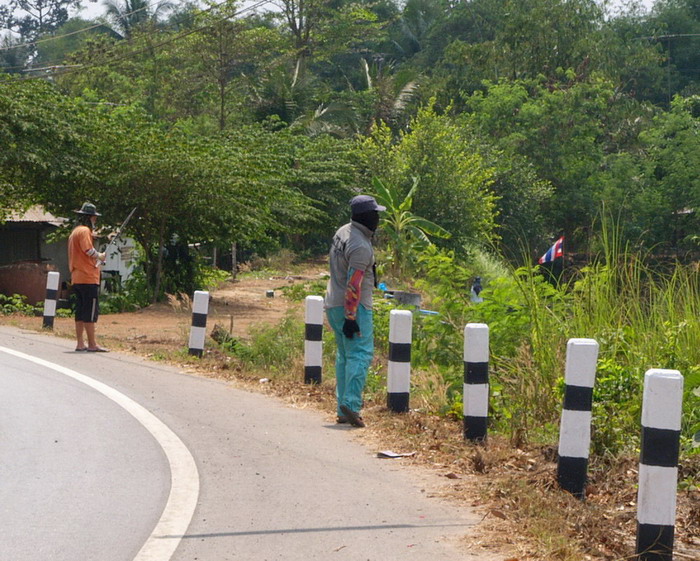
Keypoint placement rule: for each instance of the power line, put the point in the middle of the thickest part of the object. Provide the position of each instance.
(84, 29)
(671, 36)
(167, 41)
(78, 68)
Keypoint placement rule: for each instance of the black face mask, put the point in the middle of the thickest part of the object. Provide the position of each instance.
(369, 219)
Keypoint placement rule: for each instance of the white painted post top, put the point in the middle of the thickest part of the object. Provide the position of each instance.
(400, 326)
(581, 361)
(52, 280)
(663, 399)
(314, 309)
(200, 304)
(476, 342)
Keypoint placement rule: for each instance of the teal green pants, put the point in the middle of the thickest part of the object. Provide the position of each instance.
(353, 356)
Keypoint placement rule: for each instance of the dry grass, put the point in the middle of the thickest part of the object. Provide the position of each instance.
(526, 516)
(180, 302)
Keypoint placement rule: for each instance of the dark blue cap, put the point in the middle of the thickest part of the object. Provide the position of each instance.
(364, 203)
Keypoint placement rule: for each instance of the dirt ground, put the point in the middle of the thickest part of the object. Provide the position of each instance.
(234, 305)
(525, 517)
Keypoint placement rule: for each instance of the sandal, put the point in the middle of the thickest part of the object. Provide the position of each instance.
(97, 350)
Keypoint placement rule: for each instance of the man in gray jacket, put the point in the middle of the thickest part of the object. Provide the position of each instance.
(349, 305)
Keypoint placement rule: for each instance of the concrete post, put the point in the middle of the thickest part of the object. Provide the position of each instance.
(198, 331)
(658, 465)
(476, 381)
(575, 425)
(399, 375)
(313, 340)
(52, 283)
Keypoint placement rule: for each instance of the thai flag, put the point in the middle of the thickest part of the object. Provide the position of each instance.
(557, 250)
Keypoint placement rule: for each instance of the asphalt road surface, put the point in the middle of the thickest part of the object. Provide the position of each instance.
(107, 457)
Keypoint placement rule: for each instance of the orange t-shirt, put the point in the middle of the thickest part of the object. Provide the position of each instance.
(82, 266)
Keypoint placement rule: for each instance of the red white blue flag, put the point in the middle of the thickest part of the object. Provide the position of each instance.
(554, 252)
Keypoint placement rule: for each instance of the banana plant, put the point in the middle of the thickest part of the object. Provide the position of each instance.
(406, 234)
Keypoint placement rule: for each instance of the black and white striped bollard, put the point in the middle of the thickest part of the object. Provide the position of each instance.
(476, 381)
(198, 331)
(313, 340)
(658, 465)
(399, 374)
(575, 425)
(52, 281)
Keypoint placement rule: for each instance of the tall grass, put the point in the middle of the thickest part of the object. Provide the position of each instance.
(643, 315)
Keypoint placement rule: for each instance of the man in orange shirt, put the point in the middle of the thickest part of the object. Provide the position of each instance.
(84, 262)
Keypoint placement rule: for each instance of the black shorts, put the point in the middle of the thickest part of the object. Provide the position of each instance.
(87, 307)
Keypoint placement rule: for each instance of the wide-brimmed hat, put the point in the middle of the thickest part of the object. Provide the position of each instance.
(364, 203)
(89, 209)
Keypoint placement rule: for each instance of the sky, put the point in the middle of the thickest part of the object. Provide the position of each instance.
(95, 9)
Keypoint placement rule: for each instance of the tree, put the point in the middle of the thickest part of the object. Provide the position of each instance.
(521, 196)
(632, 59)
(115, 71)
(670, 200)
(190, 188)
(62, 151)
(302, 18)
(418, 18)
(14, 54)
(228, 54)
(324, 169)
(677, 26)
(69, 38)
(330, 33)
(392, 92)
(40, 133)
(560, 128)
(455, 184)
(32, 18)
(541, 36)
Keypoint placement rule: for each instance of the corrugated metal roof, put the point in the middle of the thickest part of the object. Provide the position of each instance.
(37, 213)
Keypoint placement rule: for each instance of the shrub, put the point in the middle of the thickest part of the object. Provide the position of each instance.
(272, 348)
(133, 295)
(17, 304)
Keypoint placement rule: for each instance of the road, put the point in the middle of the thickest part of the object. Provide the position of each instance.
(108, 457)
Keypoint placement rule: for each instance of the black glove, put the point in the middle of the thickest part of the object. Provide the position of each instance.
(350, 327)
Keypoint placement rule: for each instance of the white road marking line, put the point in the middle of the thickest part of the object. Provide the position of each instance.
(184, 477)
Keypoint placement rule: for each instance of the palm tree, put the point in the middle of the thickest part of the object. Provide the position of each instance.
(127, 15)
(336, 119)
(392, 91)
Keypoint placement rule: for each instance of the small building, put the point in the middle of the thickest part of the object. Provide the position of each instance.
(28, 252)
